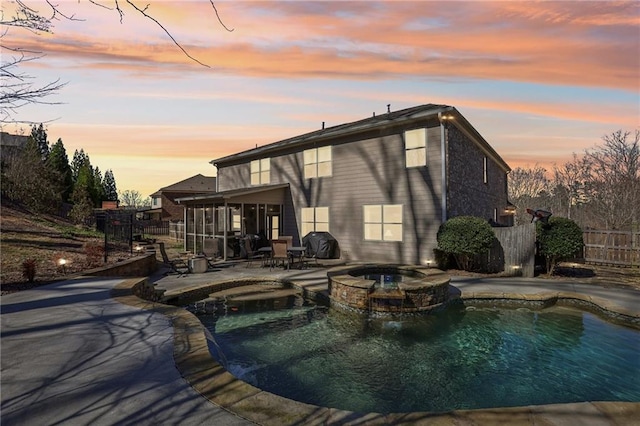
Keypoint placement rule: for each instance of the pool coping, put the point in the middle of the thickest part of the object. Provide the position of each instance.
(212, 381)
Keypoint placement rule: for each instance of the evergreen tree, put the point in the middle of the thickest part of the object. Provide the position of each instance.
(82, 210)
(109, 186)
(39, 135)
(59, 162)
(79, 159)
(97, 191)
(28, 180)
(85, 183)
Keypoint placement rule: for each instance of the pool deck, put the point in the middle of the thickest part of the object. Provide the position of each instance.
(86, 351)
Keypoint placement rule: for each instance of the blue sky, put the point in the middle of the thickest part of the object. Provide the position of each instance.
(539, 80)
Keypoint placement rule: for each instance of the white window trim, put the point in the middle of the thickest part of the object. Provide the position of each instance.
(485, 176)
(315, 222)
(316, 164)
(383, 222)
(414, 149)
(258, 169)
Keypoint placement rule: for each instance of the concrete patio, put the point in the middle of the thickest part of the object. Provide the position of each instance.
(85, 351)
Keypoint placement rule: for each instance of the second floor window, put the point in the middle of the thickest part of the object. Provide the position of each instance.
(485, 177)
(317, 162)
(155, 202)
(261, 171)
(415, 147)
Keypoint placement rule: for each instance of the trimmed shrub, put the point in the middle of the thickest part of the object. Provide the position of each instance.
(465, 237)
(94, 252)
(29, 270)
(558, 240)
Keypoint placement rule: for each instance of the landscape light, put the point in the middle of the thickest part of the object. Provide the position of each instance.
(62, 262)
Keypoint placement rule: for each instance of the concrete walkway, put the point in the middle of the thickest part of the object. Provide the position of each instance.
(72, 355)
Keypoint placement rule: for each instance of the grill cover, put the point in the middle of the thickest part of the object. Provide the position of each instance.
(322, 245)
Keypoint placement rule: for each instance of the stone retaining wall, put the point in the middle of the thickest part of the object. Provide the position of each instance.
(140, 266)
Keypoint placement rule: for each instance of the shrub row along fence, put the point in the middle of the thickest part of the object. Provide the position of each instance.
(619, 248)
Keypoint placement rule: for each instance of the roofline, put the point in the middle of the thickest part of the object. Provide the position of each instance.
(331, 132)
(467, 128)
(227, 195)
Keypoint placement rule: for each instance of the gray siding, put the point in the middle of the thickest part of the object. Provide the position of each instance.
(369, 168)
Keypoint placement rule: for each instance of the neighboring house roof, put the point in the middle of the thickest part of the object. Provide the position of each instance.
(404, 116)
(7, 140)
(194, 185)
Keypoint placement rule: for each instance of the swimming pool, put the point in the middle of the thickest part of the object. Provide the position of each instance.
(459, 358)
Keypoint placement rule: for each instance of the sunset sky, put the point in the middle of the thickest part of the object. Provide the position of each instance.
(539, 80)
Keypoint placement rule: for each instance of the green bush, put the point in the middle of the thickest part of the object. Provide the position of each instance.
(558, 240)
(465, 237)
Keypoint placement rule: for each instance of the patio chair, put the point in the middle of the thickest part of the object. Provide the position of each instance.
(210, 251)
(279, 252)
(251, 254)
(177, 265)
(288, 239)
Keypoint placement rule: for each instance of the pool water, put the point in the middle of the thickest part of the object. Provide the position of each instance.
(456, 359)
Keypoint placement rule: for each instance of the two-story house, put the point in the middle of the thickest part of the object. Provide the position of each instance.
(381, 186)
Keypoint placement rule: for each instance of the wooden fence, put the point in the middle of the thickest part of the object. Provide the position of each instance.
(619, 248)
(154, 227)
(514, 251)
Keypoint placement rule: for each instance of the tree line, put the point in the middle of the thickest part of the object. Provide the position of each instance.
(40, 177)
(599, 189)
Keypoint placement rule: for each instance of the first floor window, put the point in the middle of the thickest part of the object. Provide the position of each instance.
(383, 222)
(314, 219)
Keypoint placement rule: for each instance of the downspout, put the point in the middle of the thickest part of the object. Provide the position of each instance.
(224, 237)
(443, 160)
(184, 228)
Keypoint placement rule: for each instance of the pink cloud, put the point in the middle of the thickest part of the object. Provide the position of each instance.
(545, 42)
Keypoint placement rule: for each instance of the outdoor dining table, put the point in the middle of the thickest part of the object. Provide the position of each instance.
(297, 252)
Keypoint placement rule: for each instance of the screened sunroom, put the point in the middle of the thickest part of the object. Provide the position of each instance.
(215, 223)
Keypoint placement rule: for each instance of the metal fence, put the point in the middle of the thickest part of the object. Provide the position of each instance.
(619, 248)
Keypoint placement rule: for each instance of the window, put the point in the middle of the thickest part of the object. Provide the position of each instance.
(484, 169)
(317, 162)
(314, 219)
(415, 146)
(156, 202)
(383, 222)
(261, 171)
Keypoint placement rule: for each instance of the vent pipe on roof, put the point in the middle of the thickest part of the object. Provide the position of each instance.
(374, 113)
(323, 125)
(388, 108)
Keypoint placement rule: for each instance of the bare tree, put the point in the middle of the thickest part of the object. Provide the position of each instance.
(19, 89)
(133, 199)
(570, 185)
(614, 179)
(526, 190)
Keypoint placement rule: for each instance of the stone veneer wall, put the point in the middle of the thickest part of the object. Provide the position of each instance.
(141, 266)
